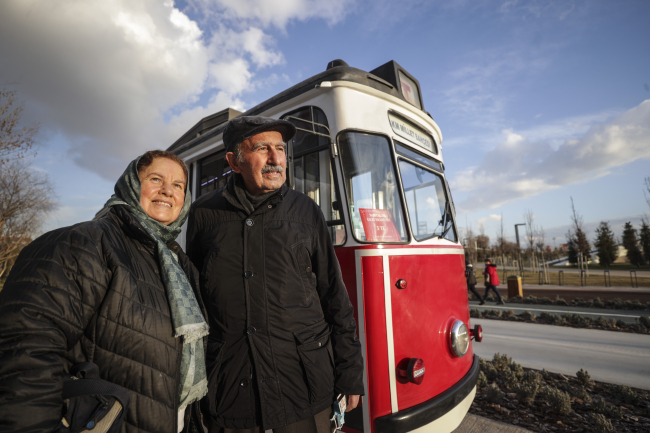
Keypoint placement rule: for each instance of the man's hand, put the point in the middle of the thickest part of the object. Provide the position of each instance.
(353, 401)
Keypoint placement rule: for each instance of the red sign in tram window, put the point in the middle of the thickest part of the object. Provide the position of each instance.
(379, 226)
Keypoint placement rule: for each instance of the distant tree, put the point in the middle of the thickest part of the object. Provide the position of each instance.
(571, 248)
(606, 244)
(630, 243)
(501, 238)
(644, 239)
(26, 195)
(470, 245)
(577, 242)
(16, 141)
(540, 237)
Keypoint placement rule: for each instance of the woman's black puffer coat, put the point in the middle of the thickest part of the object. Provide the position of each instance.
(90, 292)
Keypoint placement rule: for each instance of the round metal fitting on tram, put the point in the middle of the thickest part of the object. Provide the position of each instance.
(248, 274)
(476, 333)
(401, 284)
(251, 330)
(459, 338)
(415, 371)
(250, 222)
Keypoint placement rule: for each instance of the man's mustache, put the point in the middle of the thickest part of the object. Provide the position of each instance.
(269, 168)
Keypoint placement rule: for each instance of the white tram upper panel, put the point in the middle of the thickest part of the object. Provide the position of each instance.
(388, 185)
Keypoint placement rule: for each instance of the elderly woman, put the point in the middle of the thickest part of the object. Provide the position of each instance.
(117, 292)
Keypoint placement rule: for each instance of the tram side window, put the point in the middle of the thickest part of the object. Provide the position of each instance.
(426, 201)
(312, 169)
(214, 172)
(370, 182)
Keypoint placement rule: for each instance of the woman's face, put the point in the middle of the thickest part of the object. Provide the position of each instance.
(162, 191)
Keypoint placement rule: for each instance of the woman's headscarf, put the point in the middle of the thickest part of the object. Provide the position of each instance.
(187, 319)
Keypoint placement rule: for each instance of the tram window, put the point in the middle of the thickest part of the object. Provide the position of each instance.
(312, 169)
(370, 182)
(214, 172)
(426, 201)
(417, 156)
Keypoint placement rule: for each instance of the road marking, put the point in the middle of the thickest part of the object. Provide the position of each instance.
(558, 311)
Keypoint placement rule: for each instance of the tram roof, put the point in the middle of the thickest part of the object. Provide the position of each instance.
(383, 78)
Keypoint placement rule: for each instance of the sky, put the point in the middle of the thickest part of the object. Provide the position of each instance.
(538, 101)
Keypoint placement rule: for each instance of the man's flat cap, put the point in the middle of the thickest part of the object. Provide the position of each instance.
(244, 127)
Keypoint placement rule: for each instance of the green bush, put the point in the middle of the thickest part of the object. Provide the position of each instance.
(491, 372)
(602, 424)
(644, 320)
(625, 394)
(620, 324)
(482, 380)
(526, 392)
(636, 305)
(527, 315)
(510, 377)
(584, 395)
(584, 378)
(598, 303)
(559, 401)
(475, 313)
(545, 374)
(548, 317)
(517, 369)
(493, 394)
(531, 376)
(601, 321)
(560, 301)
(530, 300)
(492, 313)
(546, 301)
(611, 411)
(508, 314)
(501, 362)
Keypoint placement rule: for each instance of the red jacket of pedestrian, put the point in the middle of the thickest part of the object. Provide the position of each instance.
(491, 270)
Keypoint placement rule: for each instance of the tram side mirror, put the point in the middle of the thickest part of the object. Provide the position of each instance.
(335, 205)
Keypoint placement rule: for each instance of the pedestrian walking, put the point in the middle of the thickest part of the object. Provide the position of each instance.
(470, 276)
(491, 281)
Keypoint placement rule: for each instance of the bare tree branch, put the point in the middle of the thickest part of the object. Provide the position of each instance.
(16, 142)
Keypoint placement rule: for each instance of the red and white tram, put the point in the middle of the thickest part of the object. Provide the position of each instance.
(369, 155)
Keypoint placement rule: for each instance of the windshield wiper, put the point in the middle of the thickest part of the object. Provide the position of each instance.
(446, 220)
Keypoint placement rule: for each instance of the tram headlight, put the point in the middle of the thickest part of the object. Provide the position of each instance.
(459, 338)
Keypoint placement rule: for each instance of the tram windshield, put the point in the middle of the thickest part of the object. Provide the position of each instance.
(371, 187)
(426, 201)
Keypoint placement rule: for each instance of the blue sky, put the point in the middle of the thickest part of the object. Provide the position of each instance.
(538, 101)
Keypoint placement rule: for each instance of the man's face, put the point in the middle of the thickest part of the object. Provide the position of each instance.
(264, 165)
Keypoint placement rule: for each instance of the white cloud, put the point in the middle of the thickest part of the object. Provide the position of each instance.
(520, 167)
(117, 77)
(276, 13)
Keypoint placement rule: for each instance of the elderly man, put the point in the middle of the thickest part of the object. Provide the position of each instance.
(282, 342)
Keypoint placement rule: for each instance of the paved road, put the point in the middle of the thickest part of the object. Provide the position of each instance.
(627, 316)
(613, 357)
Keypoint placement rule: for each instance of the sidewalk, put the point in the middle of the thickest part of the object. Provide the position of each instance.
(585, 292)
(478, 424)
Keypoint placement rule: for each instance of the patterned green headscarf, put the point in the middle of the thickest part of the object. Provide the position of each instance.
(187, 319)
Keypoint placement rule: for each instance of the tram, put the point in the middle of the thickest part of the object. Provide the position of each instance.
(369, 155)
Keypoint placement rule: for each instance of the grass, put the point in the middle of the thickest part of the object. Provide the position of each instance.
(596, 278)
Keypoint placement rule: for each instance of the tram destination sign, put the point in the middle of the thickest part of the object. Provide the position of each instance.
(412, 133)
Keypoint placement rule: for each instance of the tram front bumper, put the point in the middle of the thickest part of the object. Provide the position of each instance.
(420, 416)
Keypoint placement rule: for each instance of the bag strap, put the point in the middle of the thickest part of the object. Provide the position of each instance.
(80, 387)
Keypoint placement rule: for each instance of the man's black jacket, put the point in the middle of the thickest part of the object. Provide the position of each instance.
(282, 334)
(91, 292)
